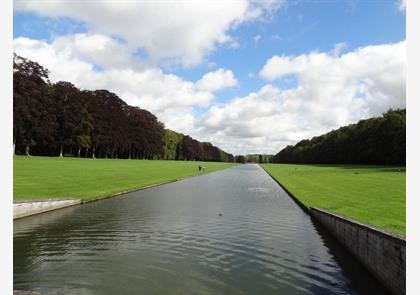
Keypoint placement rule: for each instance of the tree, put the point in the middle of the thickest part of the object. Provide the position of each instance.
(110, 126)
(145, 133)
(240, 159)
(171, 140)
(33, 118)
(75, 123)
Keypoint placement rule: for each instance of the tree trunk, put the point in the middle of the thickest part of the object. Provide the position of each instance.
(78, 152)
(93, 153)
(129, 155)
(14, 147)
(61, 150)
(86, 152)
(27, 150)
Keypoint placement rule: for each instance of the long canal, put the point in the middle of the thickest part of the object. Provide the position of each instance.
(233, 231)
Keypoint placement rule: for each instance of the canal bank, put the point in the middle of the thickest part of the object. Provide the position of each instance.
(27, 208)
(24, 209)
(380, 252)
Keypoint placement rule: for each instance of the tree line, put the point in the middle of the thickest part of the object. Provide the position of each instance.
(58, 119)
(379, 140)
(254, 158)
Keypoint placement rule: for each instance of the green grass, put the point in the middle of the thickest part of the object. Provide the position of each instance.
(53, 177)
(373, 195)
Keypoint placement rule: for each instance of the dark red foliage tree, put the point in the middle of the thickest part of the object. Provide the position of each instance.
(75, 123)
(145, 135)
(109, 134)
(34, 120)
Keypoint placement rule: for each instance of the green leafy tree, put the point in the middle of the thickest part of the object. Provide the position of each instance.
(379, 140)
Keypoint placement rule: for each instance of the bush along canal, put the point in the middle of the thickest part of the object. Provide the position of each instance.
(234, 231)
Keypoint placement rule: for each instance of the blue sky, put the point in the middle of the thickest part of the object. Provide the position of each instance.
(286, 29)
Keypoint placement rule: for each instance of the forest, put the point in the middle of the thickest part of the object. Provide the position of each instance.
(58, 119)
(378, 140)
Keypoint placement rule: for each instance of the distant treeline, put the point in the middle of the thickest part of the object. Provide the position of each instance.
(378, 140)
(254, 158)
(60, 119)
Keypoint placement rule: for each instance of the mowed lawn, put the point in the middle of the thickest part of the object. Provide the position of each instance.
(373, 195)
(54, 177)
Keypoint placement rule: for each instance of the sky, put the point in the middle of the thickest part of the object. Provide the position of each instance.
(248, 76)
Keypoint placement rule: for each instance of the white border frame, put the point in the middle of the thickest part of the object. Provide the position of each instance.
(413, 146)
(6, 161)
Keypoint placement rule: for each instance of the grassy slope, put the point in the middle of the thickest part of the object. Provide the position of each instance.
(45, 177)
(370, 194)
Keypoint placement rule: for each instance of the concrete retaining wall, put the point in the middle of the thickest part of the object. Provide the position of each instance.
(382, 253)
(23, 209)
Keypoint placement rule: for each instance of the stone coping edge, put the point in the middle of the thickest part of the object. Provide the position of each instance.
(396, 237)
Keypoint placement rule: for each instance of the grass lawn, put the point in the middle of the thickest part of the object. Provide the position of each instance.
(373, 195)
(53, 177)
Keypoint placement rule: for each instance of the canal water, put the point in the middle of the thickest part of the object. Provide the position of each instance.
(234, 231)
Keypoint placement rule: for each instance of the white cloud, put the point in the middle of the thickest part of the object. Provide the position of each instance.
(331, 91)
(257, 123)
(182, 31)
(376, 73)
(98, 49)
(217, 80)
